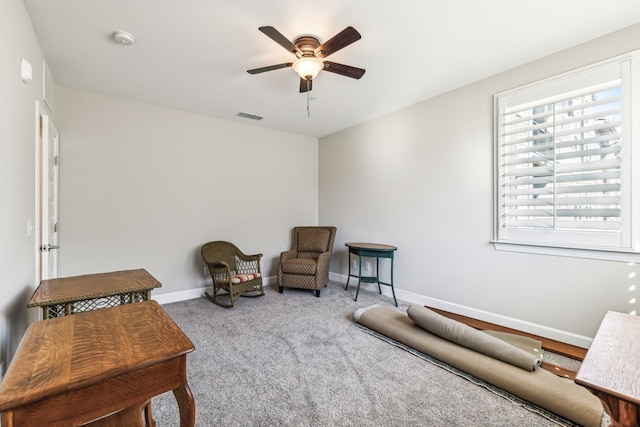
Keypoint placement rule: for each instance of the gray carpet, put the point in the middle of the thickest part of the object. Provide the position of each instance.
(293, 359)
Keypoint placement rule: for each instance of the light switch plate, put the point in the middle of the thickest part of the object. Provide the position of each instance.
(26, 72)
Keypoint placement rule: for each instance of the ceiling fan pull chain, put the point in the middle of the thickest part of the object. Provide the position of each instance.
(308, 90)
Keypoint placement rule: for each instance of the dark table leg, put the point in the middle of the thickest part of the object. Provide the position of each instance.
(348, 275)
(392, 288)
(359, 276)
(183, 395)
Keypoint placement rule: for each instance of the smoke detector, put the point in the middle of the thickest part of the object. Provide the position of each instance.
(124, 38)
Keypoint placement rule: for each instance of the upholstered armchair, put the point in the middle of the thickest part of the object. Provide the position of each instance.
(234, 274)
(306, 266)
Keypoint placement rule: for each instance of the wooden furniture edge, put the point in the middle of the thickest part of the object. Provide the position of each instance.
(88, 297)
(150, 283)
(564, 349)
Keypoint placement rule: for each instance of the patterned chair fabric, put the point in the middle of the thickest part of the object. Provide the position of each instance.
(306, 266)
(234, 274)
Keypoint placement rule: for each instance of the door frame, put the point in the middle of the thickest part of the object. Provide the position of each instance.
(41, 150)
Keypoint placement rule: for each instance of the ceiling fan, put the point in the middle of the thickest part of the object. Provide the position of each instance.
(309, 53)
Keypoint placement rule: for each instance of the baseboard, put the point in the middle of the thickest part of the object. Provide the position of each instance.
(509, 322)
(178, 296)
(194, 293)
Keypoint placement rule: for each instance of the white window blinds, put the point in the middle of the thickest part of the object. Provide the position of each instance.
(563, 160)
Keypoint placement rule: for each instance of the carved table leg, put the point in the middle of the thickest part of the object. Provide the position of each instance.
(183, 395)
(623, 413)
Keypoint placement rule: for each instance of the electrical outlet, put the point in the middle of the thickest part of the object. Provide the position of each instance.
(367, 266)
(354, 264)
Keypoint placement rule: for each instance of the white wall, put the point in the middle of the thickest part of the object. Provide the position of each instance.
(144, 187)
(421, 179)
(17, 174)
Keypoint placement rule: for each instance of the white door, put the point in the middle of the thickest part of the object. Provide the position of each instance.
(48, 199)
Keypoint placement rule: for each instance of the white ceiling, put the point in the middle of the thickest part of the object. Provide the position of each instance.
(193, 55)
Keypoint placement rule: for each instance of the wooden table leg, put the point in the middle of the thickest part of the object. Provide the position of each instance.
(623, 413)
(186, 404)
(148, 417)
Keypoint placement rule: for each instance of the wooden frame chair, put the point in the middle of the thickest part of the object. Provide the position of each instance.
(234, 273)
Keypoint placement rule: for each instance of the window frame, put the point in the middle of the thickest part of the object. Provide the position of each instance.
(553, 87)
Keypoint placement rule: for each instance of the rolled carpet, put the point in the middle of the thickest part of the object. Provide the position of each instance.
(474, 339)
(540, 387)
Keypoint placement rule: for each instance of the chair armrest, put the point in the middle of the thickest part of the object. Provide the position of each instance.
(247, 263)
(287, 255)
(219, 270)
(323, 265)
(324, 258)
(218, 264)
(245, 257)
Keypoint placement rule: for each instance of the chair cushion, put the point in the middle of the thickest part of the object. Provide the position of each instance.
(299, 266)
(313, 240)
(239, 278)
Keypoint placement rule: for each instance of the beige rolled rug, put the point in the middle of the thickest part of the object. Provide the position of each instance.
(540, 387)
(485, 343)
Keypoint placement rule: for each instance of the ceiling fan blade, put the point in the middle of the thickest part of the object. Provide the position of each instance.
(277, 37)
(344, 70)
(305, 85)
(342, 39)
(270, 68)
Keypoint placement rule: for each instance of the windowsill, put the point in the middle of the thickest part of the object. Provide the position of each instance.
(620, 256)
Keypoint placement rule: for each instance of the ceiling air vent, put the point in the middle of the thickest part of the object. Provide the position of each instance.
(250, 116)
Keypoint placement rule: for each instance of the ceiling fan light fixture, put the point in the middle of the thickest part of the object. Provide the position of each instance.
(308, 67)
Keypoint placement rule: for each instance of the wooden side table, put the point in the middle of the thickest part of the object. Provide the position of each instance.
(611, 368)
(69, 295)
(99, 367)
(371, 250)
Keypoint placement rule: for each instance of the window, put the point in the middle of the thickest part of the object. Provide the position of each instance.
(566, 175)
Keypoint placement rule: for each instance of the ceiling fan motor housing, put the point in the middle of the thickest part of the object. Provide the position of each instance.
(307, 45)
